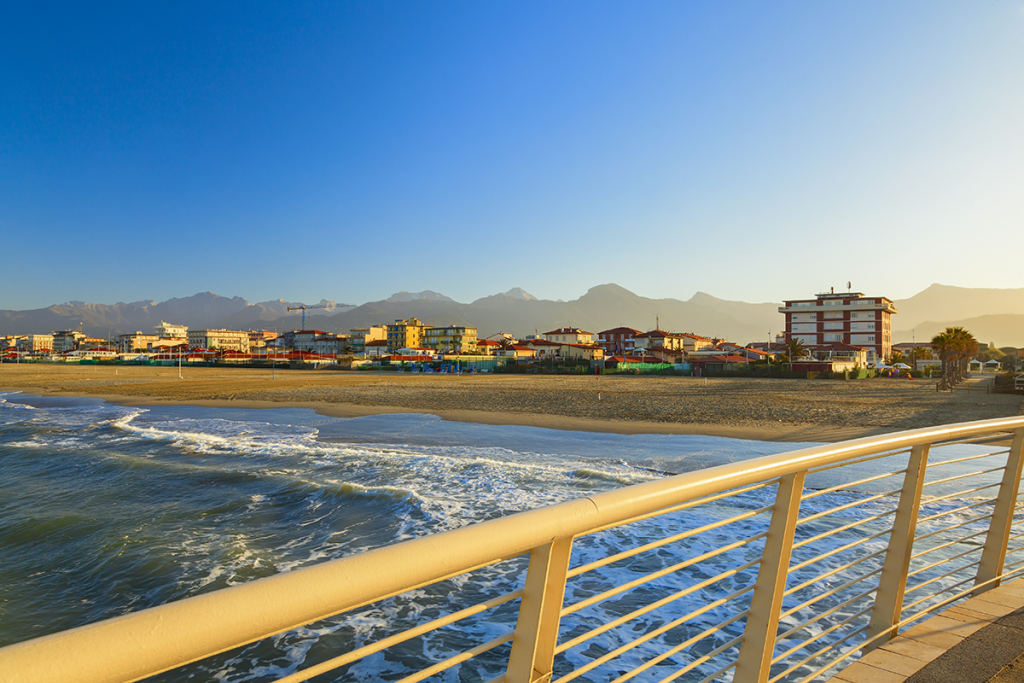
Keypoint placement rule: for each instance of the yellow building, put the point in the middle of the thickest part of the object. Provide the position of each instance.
(569, 335)
(405, 334)
(451, 339)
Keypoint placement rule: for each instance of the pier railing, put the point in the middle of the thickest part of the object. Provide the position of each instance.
(780, 568)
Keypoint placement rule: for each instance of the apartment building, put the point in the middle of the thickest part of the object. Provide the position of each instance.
(847, 318)
(618, 340)
(221, 340)
(35, 343)
(360, 336)
(165, 330)
(405, 334)
(331, 344)
(569, 335)
(135, 341)
(451, 339)
(67, 340)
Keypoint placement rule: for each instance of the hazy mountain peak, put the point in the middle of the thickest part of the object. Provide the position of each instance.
(520, 293)
(426, 294)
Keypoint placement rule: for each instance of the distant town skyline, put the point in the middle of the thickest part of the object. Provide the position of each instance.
(350, 151)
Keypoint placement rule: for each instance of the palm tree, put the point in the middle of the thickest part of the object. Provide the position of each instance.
(956, 347)
(942, 343)
(796, 349)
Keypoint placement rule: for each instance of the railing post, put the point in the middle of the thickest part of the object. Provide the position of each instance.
(893, 582)
(754, 662)
(994, 554)
(533, 647)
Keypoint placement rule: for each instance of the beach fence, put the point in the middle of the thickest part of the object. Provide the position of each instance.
(780, 568)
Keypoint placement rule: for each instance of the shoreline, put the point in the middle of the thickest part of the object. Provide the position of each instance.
(750, 409)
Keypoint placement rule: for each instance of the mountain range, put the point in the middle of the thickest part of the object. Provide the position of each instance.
(990, 314)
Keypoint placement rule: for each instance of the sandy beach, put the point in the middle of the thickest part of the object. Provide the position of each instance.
(761, 409)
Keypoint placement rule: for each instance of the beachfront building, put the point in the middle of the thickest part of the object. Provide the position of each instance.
(67, 340)
(516, 351)
(359, 337)
(36, 343)
(837, 351)
(331, 344)
(546, 349)
(221, 340)
(451, 339)
(167, 330)
(695, 342)
(569, 335)
(618, 340)
(135, 341)
(405, 334)
(665, 355)
(847, 318)
(487, 347)
(95, 343)
(661, 339)
(260, 339)
(300, 340)
(376, 348)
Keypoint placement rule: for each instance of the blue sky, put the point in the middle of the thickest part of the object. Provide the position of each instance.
(751, 150)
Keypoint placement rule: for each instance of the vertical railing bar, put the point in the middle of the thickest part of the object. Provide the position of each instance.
(533, 645)
(994, 554)
(752, 665)
(893, 582)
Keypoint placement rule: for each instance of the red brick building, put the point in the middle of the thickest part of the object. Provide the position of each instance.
(618, 340)
(849, 318)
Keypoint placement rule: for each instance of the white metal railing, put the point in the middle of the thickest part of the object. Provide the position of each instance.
(783, 567)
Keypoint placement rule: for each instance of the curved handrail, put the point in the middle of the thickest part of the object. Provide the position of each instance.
(150, 641)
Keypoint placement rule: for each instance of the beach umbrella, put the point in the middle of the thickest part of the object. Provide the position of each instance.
(902, 366)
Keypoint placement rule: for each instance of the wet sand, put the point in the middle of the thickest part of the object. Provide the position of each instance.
(759, 409)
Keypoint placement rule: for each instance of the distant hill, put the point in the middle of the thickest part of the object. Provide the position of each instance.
(942, 302)
(991, 314)
(601, 308)
(198, 311)
(1004, 330)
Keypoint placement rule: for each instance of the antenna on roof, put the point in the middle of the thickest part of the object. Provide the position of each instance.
(848, 286)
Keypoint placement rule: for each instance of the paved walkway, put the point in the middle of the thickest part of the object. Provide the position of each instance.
(977, 641)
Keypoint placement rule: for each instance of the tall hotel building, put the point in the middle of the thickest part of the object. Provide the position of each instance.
(849, 318)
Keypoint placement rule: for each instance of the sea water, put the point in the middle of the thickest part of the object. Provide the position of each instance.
(107, 509)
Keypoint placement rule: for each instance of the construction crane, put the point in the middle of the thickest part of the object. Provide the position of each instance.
(303, 307)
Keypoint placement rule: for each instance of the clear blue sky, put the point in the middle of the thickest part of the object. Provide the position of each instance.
(752, 150)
